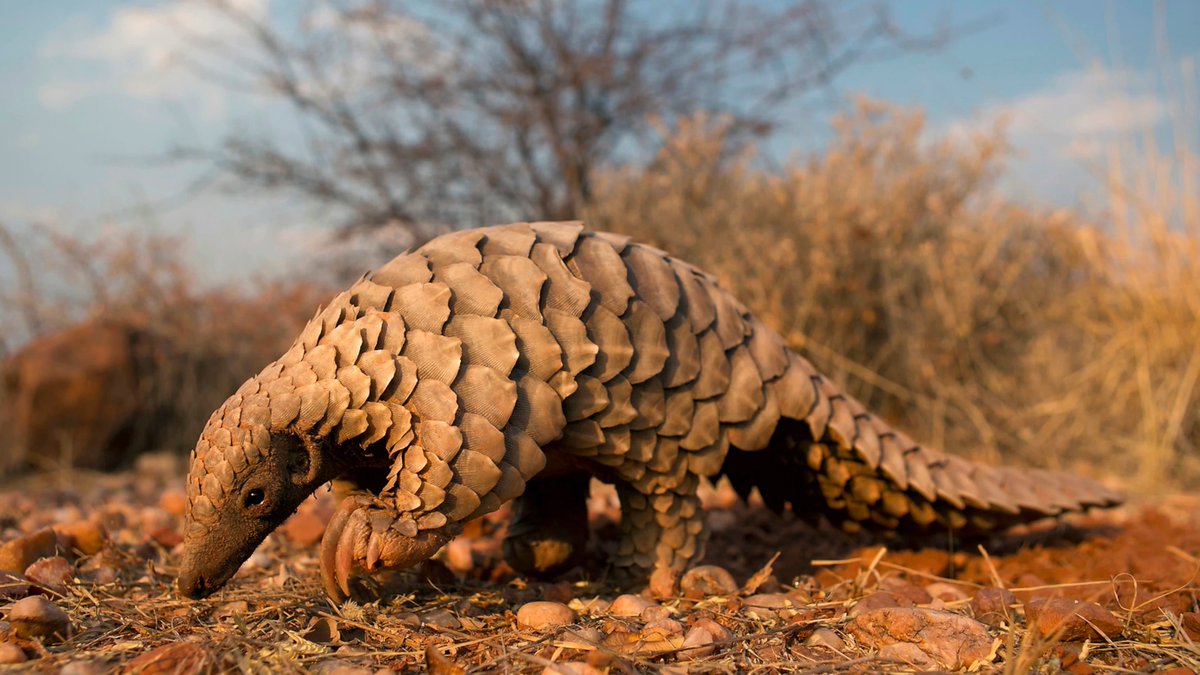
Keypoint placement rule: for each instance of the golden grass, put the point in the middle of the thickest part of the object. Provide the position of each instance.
(986, 327)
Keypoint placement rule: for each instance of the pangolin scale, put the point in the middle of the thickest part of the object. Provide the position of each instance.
(515, 362)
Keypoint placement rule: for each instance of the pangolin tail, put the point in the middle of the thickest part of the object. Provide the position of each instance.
(851, 467)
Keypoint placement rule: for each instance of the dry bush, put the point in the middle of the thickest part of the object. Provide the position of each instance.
(986, 327)
(202, 343)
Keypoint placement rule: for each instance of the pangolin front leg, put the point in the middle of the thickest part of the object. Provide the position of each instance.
(368, 534)
(548, 534)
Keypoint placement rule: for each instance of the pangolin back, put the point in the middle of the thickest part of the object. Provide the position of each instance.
(476, 360)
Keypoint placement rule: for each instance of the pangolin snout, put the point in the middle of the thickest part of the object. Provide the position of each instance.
(194, 585)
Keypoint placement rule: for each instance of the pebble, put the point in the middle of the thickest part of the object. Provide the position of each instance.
(231, 609)
(85, 536)
(946, 592)
(459, 556)
(654, 613)
(544, 614)
(629, 605)
(1072, 619)
(993, 606)
(907, 652)
(705, 580)
(36, 616)
(952, 640)
(720, 633)
(441, 618)
(825, 637)
(84, 667)
(53, 574)
(1190, 621)
(661, 629)
(587, 635)
(11, 654)
(20, 553)
(304, 528)
(909, 594)
(173, 502)
(766, 606)
(698, 643)
(878, 600)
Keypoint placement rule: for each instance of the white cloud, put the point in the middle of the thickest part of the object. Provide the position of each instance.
(1058, 129)
(139, 53)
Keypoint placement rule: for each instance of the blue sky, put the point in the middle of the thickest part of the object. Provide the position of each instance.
(94, 90)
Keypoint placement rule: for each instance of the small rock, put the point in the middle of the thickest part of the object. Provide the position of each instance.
(37, 617)
(629, 605)
(441, 618)
(459, 556)
(231, 609)
(953, 640)
(543, 614)
(13, 586)
(946, 592)
(878, 600)
(85, 536)
(22, 552)
(173, 502)
(993, 606)
(661, 629)
(53, 574)
(705, 580)
(907, 652)
(1072, 619)
(1190, 621)
(11, 654)
(697, 644)
(304, 528)
(654, 613)
(765, 606)
(825, 637)
(182, 658)
(908, 593)
(166, 537)
(720, 633)
(587, 635)
(84, 667)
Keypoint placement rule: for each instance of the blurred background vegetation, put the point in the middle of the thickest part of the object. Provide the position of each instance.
(987, 325)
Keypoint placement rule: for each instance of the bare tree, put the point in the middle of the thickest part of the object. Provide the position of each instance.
(464, 112)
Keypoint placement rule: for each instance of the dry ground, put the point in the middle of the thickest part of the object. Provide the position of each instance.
(809, 611)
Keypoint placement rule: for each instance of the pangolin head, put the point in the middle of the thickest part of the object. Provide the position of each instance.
(244, 481)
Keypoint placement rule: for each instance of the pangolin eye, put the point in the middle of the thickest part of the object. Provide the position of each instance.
(255, 497)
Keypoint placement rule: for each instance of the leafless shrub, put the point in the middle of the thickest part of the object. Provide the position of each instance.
(193, 346)
(470, 112)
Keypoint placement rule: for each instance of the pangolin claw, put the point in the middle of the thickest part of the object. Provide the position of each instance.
(366, 535)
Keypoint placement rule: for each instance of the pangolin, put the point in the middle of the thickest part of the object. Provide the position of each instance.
(514, 363)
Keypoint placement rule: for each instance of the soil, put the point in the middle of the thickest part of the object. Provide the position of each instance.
(808, 601)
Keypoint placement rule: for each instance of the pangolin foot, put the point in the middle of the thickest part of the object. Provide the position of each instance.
(365, 534)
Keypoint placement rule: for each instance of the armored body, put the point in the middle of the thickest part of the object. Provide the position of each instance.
(515, 362)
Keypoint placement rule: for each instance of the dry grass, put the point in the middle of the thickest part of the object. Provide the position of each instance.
(987, 327)
(200, 343)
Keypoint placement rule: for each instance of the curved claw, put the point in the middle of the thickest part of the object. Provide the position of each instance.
(329, 549)
(367, 536)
